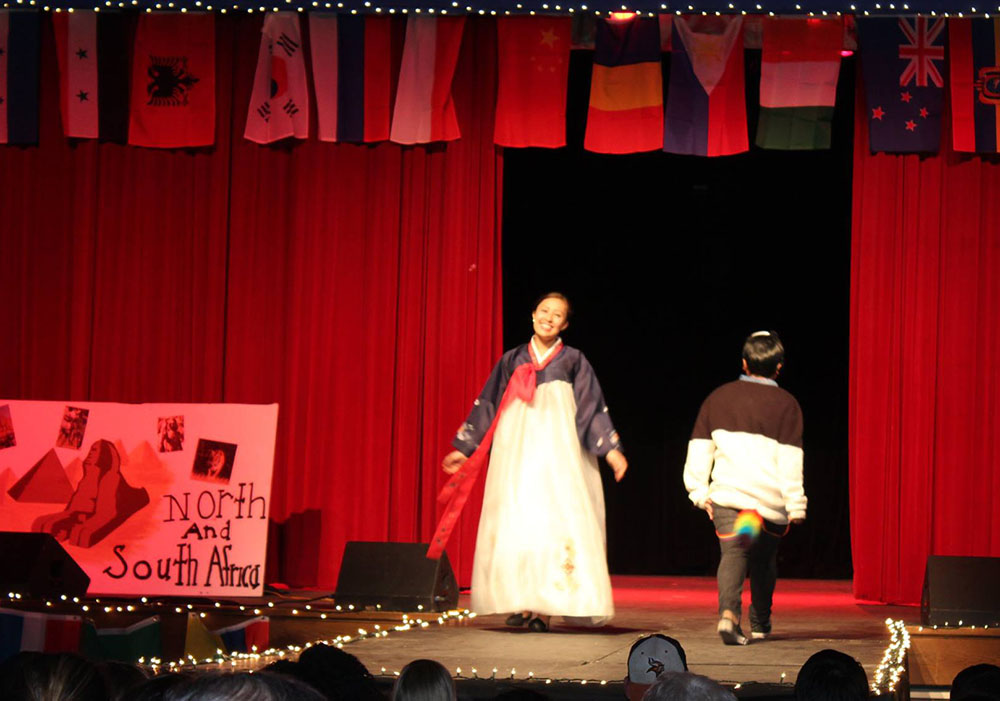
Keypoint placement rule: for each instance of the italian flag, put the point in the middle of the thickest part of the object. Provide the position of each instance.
(798, 82)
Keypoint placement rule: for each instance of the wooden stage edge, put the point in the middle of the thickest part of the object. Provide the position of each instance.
(487, 657)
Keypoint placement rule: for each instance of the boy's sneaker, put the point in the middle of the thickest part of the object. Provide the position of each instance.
(730, 632)
(760, 633)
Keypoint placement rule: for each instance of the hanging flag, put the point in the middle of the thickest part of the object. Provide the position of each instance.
(279, 104)
(139, 640)
(974, 51)
(37, 632)
(626, 87)
(424, 109)
(798, 82)
(706, 107)
(352, 75)
(902, 66)
(19, 52)
(199, 642)
(249, 636)
(533, 72)
(173, 81)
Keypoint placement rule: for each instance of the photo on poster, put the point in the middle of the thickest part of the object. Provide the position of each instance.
(74, 425)
(213, 461)
(170, 433)
(6, 428)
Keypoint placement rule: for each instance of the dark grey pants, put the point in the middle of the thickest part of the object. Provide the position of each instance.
(760, 560)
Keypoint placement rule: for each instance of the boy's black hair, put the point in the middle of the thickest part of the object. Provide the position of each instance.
(557, 295)
(830, 675)
(763, 353)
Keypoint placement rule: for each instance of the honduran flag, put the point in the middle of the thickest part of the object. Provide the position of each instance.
(352, 74)
(626, 87)
(974, 51)
(424, 109)
(129, 644)
(19, 53)
(706, 108)
(279, 104)
(248, 636)
(92, 53)
(37, 632)
(800, 64)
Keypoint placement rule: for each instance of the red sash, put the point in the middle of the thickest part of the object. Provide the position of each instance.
(456, 492)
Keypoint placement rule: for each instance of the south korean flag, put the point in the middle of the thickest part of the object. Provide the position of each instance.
(279, 105)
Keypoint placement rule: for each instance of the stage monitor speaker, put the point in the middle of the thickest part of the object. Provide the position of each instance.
(36, 564)
(961, 591)
(395, 576)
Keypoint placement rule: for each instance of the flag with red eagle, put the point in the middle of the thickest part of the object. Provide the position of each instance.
(279, 105)
(173, 81)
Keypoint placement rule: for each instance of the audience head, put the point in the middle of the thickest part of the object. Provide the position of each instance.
(242, 686)
(424, 680)
(831, 676)
(685, 686)
(650, 657)
(120, 678)
(981, 681)
(337, 674)
(34, 676)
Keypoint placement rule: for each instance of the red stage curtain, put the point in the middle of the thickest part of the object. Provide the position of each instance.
(357, 286)
(925, 383)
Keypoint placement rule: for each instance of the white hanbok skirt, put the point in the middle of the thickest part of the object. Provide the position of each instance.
(541, 540)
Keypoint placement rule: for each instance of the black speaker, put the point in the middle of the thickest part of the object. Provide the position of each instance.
(961, 591)
(36, 564)
(395, 576)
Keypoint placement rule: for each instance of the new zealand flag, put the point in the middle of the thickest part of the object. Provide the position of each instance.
(903, 68)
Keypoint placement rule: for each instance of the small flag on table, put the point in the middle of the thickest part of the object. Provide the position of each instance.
(139, 640)
(902, 65)
(19, 52)
(279, 104)
(626, 87)
(248, 636)
(424, 109)
(352, 74)
(173, 81)
(800, 64)
(533, 70)
(974, 50)
(706, 105)
(37, 632)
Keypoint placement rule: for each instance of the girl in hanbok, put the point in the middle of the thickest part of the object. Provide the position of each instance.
(540, 549)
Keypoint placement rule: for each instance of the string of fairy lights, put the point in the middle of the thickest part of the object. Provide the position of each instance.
(514, 7)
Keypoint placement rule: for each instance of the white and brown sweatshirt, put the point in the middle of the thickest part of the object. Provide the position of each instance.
(746, 451)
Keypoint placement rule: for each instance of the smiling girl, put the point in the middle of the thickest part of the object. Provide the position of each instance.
(540, 549)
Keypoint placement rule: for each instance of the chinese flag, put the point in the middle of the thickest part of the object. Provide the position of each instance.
(533, 70)
(173, 81)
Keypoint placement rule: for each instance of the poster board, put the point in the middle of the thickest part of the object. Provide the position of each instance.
(149, 499)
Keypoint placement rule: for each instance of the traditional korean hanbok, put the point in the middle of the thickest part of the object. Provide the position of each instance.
(541, 540)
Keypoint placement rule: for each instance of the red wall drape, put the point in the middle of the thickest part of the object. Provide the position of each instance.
(925, 363)
(357, 286)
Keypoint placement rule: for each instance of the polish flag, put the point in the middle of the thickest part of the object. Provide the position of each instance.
(424, 110)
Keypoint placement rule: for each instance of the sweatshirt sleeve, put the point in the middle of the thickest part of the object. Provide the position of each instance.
(790, 462)
(700, 458)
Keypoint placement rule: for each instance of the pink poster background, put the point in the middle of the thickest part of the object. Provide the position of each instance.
(158, 499)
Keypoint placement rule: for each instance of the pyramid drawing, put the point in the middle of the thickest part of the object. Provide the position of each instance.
(44, 483)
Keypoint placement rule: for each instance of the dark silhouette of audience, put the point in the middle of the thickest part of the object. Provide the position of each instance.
(831, 676)
(979, 682)
(36, 676)
(424, 680)
(686, 686)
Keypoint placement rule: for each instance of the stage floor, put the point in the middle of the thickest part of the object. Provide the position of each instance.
(809, 615)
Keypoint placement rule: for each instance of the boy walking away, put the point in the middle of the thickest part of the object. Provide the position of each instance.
(744, 467)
